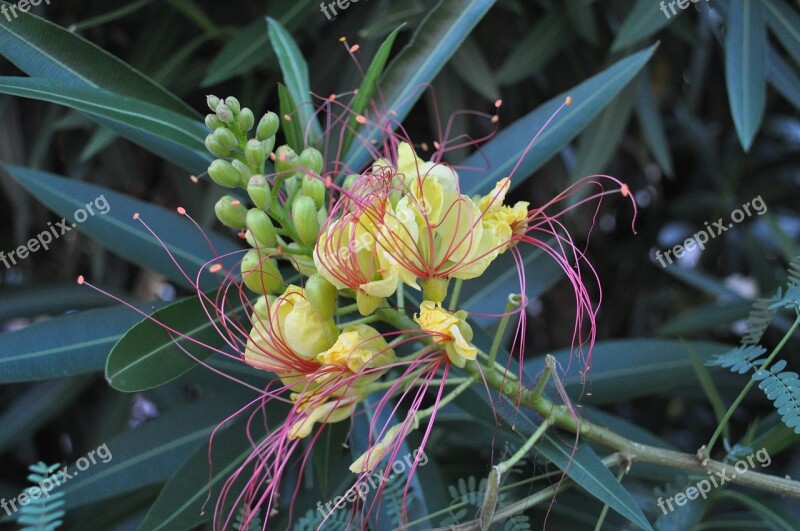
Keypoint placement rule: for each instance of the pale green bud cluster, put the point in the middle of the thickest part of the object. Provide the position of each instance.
(244, 149)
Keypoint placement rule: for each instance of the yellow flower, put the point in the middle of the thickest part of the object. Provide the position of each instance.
(346, 255)
(287, 334)
(372, 457)
(335, 410)
(501, 220)
(357, 347)
(450, 330)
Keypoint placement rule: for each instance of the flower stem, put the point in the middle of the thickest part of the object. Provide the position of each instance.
(513, 301)
(631, 451)
(731, 410)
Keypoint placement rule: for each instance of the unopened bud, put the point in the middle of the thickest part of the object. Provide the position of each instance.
(255, 154)
(231, 212)
(322, 296)
(224, 113)
(214, 146)
(350, 181)
(304, 215)
(244, 172)
(213, 102)
(267, 126)
(233, 104)
(213, 122)
(259, 191)
(285, 161)
(260, 273)
(245, 120)
(311, 159)
(315, 189)
(261, 227)
(226, 138)
(268, 145)
(224, 174)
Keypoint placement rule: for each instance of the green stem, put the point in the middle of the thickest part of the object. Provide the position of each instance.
(631, 451)
(110, 16)
(347, 309)
(604, 512)
(513, 301)
(455, 295)
(731, 410)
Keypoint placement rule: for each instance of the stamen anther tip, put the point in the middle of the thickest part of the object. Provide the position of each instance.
(81, 280)
(569, 100)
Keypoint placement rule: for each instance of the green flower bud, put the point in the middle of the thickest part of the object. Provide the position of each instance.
(260, 273)
(227, 139)
(231, 212)
(267, 126)
(268, 145)
(315, 189)
(213, 122)
(245, 120)
(259, 191)
(292, 185)
(224, 113)
(349, 181)
(224, 174)
(212, 102)
(311, 159)
(304, 215)
(233, 103)
(322, 296)
(245, 172)
(261, 227)
(285, 161)
(214, 146)
(255, 154)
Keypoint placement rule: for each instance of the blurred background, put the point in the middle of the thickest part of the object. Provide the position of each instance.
(669, 135)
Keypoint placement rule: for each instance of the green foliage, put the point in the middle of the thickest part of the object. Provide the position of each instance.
(45, 510)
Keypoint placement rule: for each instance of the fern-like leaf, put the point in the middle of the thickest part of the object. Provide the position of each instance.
(44, 511)
(518, 522)
(794, 271)
(468, 491)
(314, 520)
(740, 359)
(791, 300)
(760, 318)
(783, 389)
(254, 524)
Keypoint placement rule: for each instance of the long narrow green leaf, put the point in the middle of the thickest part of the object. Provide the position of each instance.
(645, 20)
(250, 47)
(63, 346)
(507, 148)
(745, 71)
(148, 355)
(368, 87)
(434, 42)
(783, 78)
(295, 75)
(151, 453)
(651, 123)
(170, 135)
(785, 24)
(545, 39)
(597, 145)
(180, 504)
(292, 128)
(42, 49)
(119, 232)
